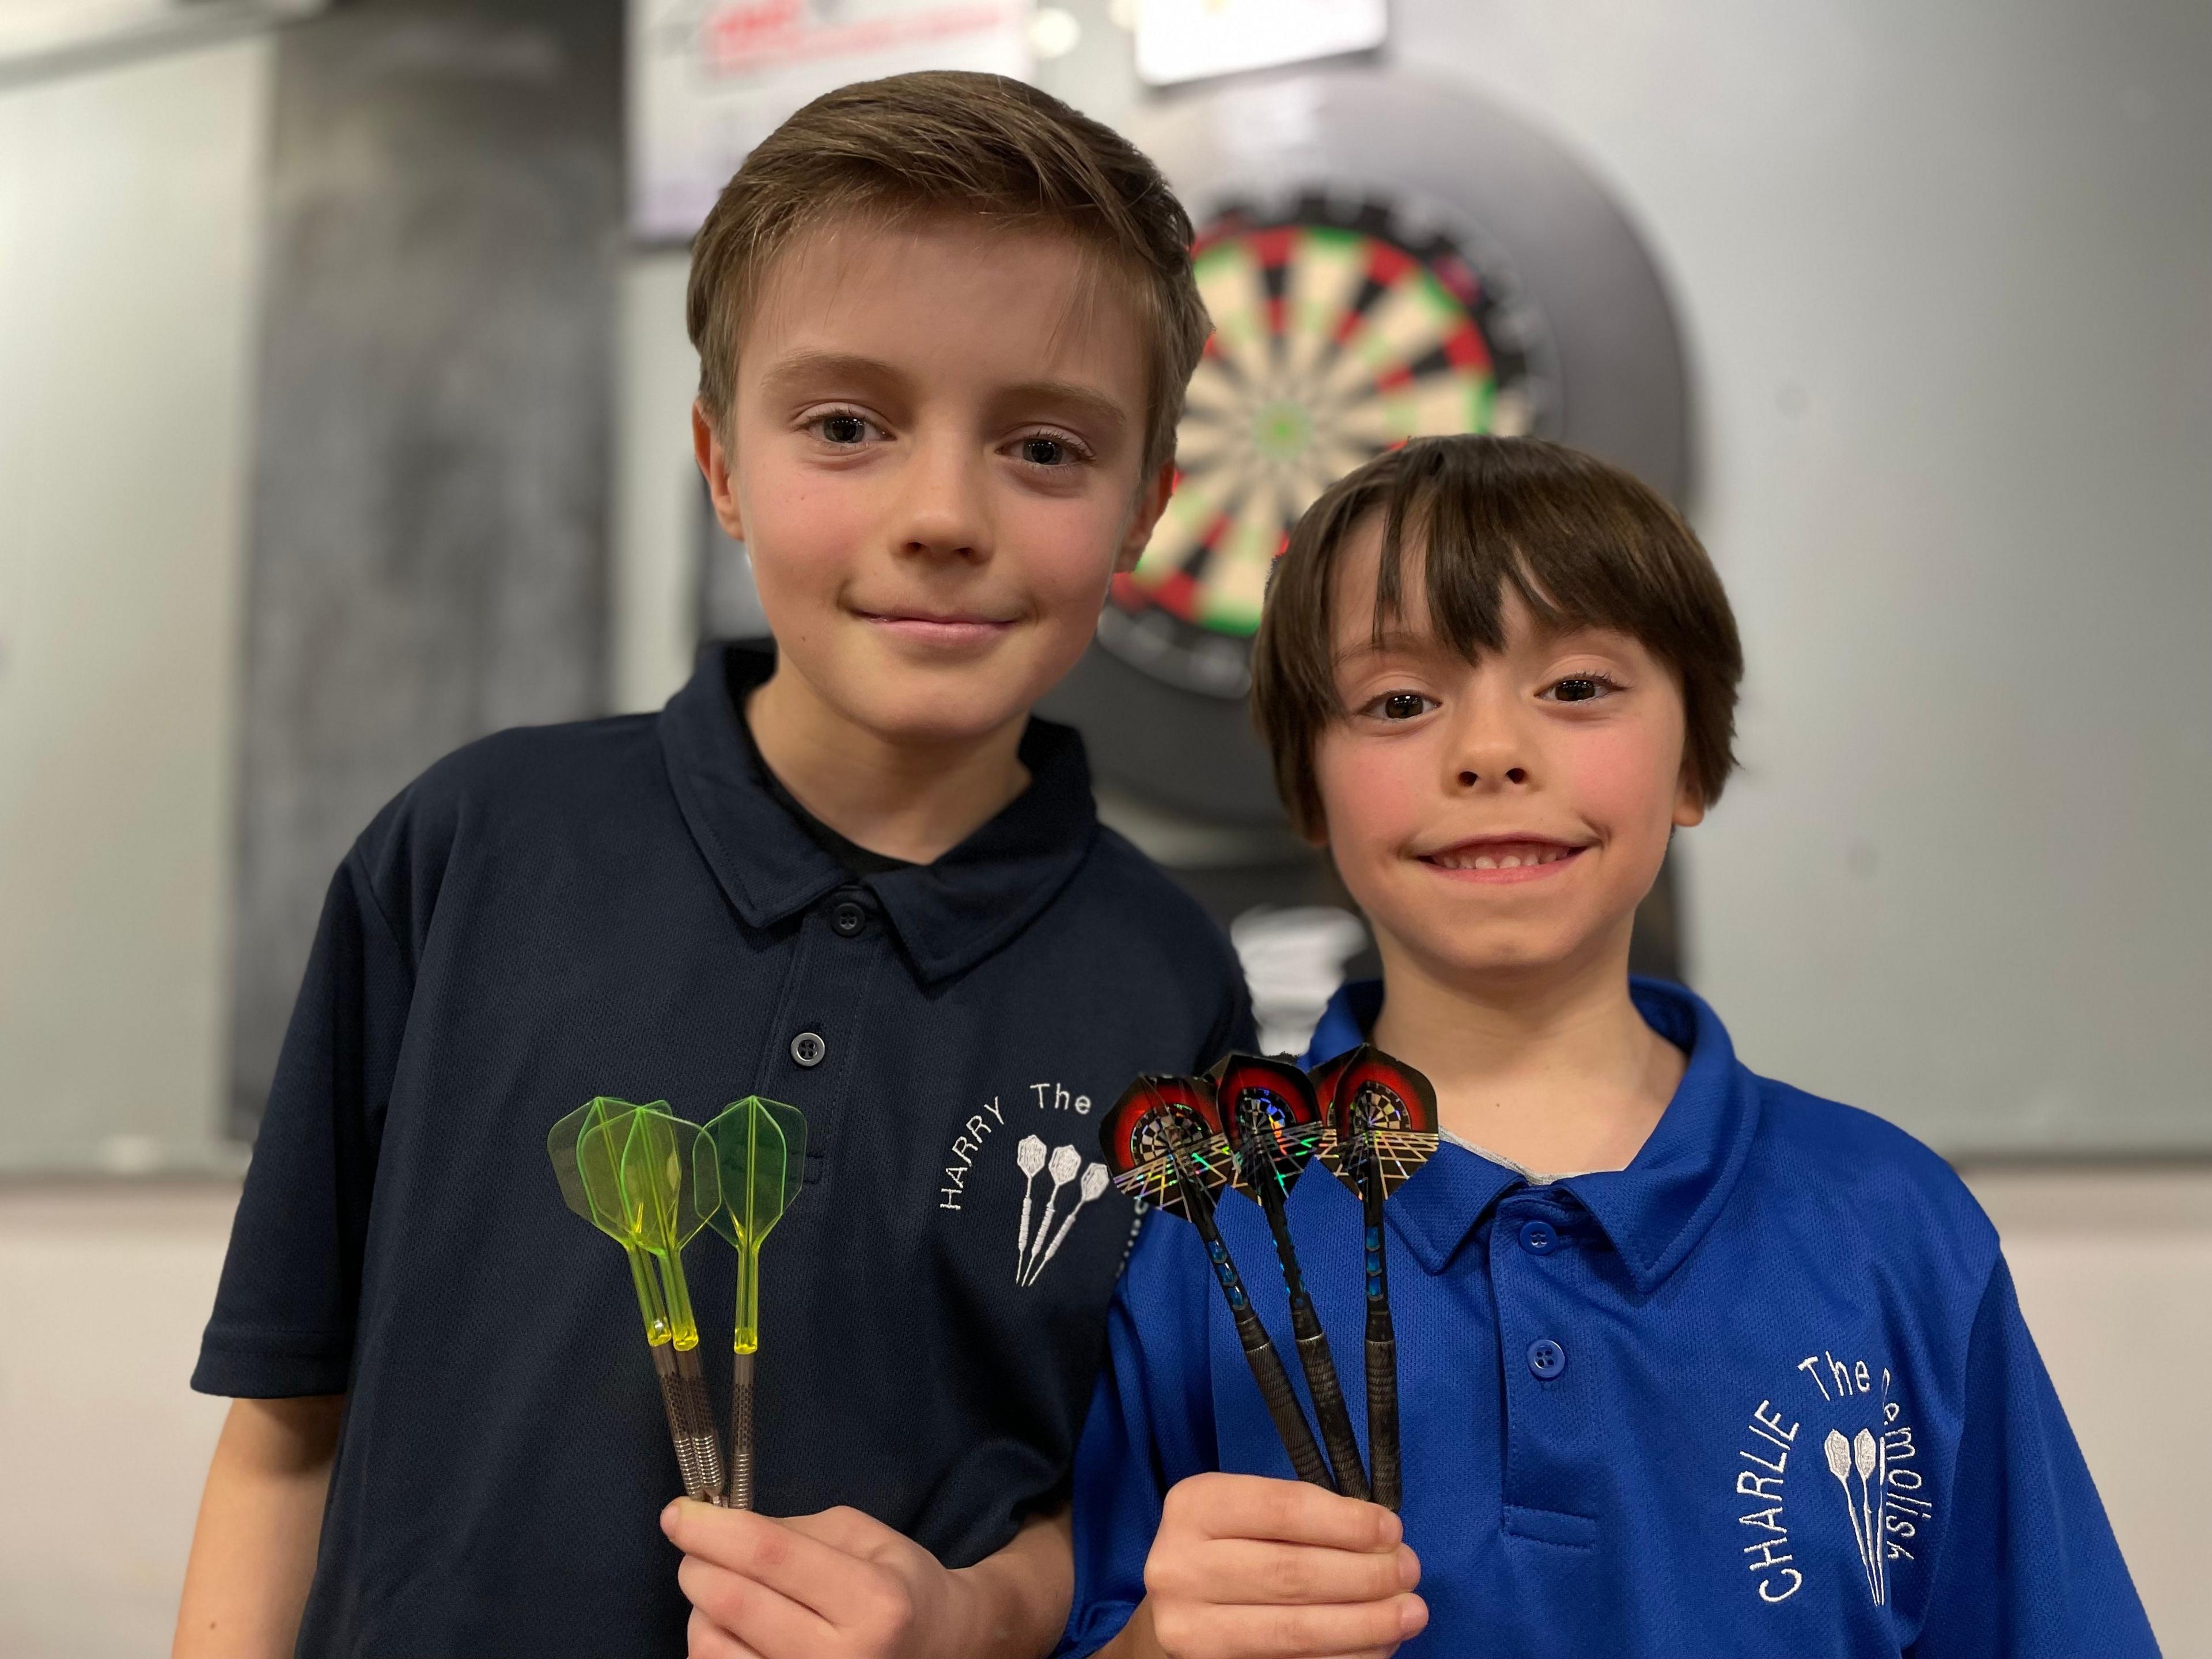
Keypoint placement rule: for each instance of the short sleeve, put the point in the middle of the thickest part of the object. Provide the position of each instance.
(2029, 1568)
(1150, 1425)
(285, 1308)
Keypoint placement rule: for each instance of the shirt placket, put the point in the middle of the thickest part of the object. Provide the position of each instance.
(1550, 1364)
(815, 1042)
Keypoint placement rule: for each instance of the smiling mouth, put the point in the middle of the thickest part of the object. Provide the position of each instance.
(946, 630)
(1498, 857)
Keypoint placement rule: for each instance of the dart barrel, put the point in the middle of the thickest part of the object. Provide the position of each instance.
(741, 1431)
(690, 1421)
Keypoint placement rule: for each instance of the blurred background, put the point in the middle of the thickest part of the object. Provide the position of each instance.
(344, 404)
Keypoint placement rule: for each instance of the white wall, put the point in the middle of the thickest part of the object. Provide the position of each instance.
(129, 217)
(1945, 270)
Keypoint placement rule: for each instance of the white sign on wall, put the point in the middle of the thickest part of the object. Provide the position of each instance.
(1190, 39)
(709, 79)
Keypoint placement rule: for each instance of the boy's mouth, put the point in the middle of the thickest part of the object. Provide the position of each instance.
(953, 630)
(1499, 858)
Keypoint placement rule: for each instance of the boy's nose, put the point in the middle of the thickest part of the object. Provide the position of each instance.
(942, 510)
(1490, 749)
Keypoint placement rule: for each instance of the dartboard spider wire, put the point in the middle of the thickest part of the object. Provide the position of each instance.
(629, 1170)
(1384, 1128)
(754, 1163)
(1163, 1144)
(1274, 1122)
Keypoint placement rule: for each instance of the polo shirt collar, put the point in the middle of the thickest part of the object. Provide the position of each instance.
(1654, 1211)
(948, 915)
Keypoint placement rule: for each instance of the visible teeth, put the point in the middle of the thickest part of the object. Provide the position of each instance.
(1511, 862)
(1485, 862)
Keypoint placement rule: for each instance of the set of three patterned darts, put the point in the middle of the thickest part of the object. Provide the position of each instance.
(650, 1180)
(1370, 1120)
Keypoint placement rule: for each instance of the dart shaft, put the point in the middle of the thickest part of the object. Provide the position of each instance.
(690, 1421)
(741, 1431)
(1260, 1349)
(1314, 1357)
(1381, 1351)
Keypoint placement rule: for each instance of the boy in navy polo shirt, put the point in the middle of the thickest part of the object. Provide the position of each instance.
(1691, 1363)
(944, 326)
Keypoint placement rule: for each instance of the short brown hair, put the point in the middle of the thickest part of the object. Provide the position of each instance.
(1582, 544)
(947, 141)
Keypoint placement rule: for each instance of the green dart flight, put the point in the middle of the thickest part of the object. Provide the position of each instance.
(634, 1172)
(758, 1150)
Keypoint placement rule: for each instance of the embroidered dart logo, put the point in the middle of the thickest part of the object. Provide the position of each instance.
(1057, 1184)
(1033, 1253)
(1871, 1462)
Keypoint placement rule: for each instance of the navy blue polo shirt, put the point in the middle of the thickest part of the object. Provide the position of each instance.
(622, 907)
(1765, 1391)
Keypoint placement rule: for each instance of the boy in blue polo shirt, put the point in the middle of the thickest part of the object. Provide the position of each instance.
(944, 326)
(1691, 1362)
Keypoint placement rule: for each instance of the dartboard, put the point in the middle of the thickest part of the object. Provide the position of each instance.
(1337, 334)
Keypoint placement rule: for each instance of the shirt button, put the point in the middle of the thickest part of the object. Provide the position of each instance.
(1539, 1237)
(808, 1048)
(1546, 1359)
(847, 919)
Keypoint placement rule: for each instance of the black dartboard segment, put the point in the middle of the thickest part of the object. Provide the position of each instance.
(1339, 332)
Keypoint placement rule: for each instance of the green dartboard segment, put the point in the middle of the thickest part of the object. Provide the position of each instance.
(759, 1150)
(636, 1173)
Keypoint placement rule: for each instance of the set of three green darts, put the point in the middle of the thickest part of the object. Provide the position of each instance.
(650, 1180)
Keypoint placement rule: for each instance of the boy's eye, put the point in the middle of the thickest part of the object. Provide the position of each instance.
(1401, 706)
(1582, 688)
(843, 429)
(1043, 449)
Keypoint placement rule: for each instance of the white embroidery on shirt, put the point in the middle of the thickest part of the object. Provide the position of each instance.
(1868, 1452)
(1042, 1225)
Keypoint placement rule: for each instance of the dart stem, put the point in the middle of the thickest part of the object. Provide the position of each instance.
(676, 1294)
(748, 1320)
(657, 1327)
(1381, 1345)
(1314, 1357)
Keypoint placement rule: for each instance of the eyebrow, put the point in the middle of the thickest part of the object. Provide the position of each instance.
(1095, 407)
(789, 373)
(1394, 642)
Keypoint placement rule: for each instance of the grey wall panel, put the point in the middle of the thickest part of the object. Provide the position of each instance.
(430, 495)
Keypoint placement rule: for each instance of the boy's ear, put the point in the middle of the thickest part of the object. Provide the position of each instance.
(1689, 802)
(714, 466)
(1152, 501)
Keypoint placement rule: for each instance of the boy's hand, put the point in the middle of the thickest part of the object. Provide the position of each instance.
(836, 1585)
(1248, 1568)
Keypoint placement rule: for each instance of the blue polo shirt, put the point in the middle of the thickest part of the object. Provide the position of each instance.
(629, 907)
(1627, 1396)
